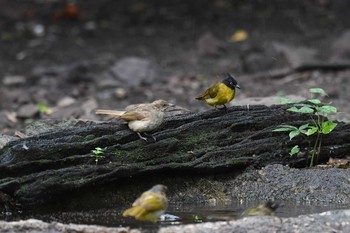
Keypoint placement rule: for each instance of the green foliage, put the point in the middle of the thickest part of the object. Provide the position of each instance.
(97, 154)
(43, 108)
(320, 123)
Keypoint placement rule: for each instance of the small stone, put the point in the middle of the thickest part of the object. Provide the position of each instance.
(120, 93)
(28, 111)
(4, 139)
(341, 47)
(66, 101)
(14, 80)
(133, 71)
(209, 45)
(296, 55)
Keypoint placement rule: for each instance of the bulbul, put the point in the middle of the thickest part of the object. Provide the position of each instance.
(265, 209)
(141, 118)
(150, 205)
(221, 92)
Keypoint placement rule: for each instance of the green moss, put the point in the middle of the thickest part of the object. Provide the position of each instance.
(89, 137)
(212, 189)
(133, 154)
(7, 151)
(202, 137)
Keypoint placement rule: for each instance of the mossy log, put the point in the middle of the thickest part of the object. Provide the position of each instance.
(39, 169)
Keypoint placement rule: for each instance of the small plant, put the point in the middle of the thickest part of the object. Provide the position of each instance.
(97, 154)
(320, 123)
(43, 108)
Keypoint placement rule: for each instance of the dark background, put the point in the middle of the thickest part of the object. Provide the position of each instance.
(74, 56)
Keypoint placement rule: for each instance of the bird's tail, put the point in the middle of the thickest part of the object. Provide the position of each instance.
(201, 97)
(135, 211)
(109, 112)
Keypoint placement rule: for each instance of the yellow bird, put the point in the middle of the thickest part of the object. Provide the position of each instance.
(265, 209)
(141, 117)
(150, 205)
(221, 92)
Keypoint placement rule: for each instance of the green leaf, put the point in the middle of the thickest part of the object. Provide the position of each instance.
(315, 101)
(304, 126)
(304, 105)
(328, 126)
(288, 126)
(294, 150)
(282, 130)
(327, 109)
(318, 91)
(293, 109)
(304, 109)
(43, 108)
(311, 131)
(293, 134)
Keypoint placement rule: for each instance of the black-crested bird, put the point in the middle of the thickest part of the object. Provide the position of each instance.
(220, 93)
(265, 209)
(150, 205)
(141, 118)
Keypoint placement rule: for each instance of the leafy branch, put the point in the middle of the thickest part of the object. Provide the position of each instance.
(320, 123)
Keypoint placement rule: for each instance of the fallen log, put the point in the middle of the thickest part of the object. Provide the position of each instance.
(41, 169)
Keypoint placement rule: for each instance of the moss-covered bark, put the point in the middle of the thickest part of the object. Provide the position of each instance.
(42, 168)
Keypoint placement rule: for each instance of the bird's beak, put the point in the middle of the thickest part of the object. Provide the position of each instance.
(238, 86)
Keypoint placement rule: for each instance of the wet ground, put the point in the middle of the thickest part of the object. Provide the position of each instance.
(177, 214)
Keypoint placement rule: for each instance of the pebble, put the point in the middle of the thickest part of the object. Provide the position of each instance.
(133, 71)
(28, 111)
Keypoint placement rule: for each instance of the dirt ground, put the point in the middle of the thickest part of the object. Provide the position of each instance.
(64, 59)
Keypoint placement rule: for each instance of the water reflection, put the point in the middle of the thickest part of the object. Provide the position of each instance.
(176, 214)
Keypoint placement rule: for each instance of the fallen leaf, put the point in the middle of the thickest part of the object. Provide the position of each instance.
(239, 36)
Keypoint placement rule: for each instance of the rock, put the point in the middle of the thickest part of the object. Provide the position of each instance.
(268, 101)
(278, 182)
(296, 55)
(209, 45)
(28, 111)
(120, 93)
(331, 221)
(66, 101)
(341, 47)
(133, 71)
(4, 139)
(35, 226)
(42, 126)
(13, 80)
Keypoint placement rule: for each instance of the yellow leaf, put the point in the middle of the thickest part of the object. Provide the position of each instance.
(239, 36)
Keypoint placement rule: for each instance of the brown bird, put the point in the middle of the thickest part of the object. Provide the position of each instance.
(150, 205)
(142, 118)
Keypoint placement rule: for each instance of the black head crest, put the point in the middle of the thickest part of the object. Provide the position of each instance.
(231, 82)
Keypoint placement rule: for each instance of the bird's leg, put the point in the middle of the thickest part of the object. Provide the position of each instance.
(223, 108)
(150, 135)
(140, 136)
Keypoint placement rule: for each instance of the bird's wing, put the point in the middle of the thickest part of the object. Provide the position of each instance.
(109, 112)
(154, 202)
(151, 201)
(138, 115)
(210, 92)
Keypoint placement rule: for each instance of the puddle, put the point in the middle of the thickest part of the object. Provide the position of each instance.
(187, 214)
